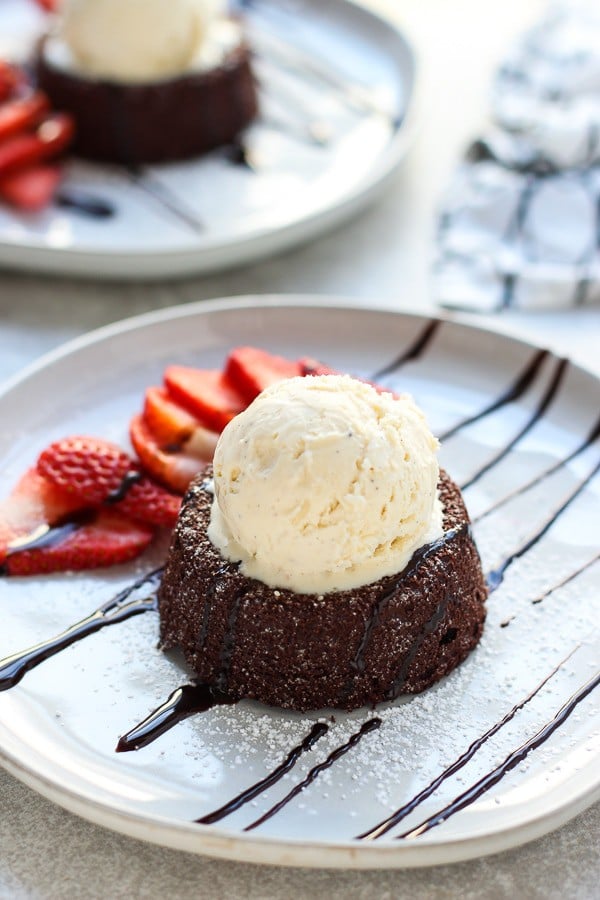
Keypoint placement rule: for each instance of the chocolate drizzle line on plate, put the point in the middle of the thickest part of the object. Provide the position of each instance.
(496, 576)
(513, 759)
(537, 414)
(405, 810)
(184, 701)
(516, 390)
(414, 351)
(316, 732)
(85, 204)
(371, 725)
(13, 668)
(567, 580)
(591, 438)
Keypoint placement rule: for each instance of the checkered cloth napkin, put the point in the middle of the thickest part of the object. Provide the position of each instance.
(520, 225)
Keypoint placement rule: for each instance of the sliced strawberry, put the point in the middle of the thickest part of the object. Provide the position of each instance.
(88, 468)
(206, 393)
(148, 502)
(49, 5)
(10, 79)
(252, 370)
(22, 113)
(34, 505)
(30, 189)
(108, 540)
(49, 139)
(171, 424)
(175, 470)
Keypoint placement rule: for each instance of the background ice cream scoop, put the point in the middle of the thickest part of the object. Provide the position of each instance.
(136, 40)
(324, 484)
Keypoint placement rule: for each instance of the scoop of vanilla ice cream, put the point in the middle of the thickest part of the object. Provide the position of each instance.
(134, 40)
(324, 484)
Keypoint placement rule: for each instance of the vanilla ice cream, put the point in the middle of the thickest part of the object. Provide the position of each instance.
(323, 484)
(136, 40)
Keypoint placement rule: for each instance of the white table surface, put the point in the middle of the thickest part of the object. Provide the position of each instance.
(381, 256)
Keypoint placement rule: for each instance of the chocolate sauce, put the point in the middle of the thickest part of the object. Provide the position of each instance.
(591, 438)
(567, 580)
(463, 759)
(229, 639)
(240, 154)
(121, 492)
(317, 731)
(420, 555)
(85, 204)
(537, 414)
(513, 759)
(369, 726)
(414, 351)
(495, 578)
(14, 667)
(183, 702)
(515, 391)
(166, 198)
(52, 535)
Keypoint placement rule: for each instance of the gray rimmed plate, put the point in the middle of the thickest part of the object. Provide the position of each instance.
(530, 463)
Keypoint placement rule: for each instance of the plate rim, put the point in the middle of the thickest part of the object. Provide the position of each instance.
(226, 843)
(85, 260)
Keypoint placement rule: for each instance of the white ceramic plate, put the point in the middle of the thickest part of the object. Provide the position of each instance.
(59, 726)
(337, 99)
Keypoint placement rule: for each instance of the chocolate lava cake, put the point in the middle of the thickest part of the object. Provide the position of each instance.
(343, 649)
(161, 121)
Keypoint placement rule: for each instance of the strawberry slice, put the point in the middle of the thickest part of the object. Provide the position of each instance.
(174, 428)
(21, 114)
(108, 540)
(171, 424)
(175, 470)
(10, 79)
(88, 468)
(206, 393)
(252, 370)
(30, 189)
(34, 505)
(49, 5)
(148, 502)
(49, 139)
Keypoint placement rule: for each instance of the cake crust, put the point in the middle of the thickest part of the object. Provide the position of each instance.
(305, 651)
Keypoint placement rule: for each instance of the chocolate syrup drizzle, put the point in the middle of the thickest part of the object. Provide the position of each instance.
(591, 439)
(316, 732)
(371, 725)
(13, 668)
(496, 576)
(405, 810)
(183, 702)
(85, 204)
(419, 557)
(414, 351)
(127, 483)
(537, 414)
(515, 391)
(513, 759)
